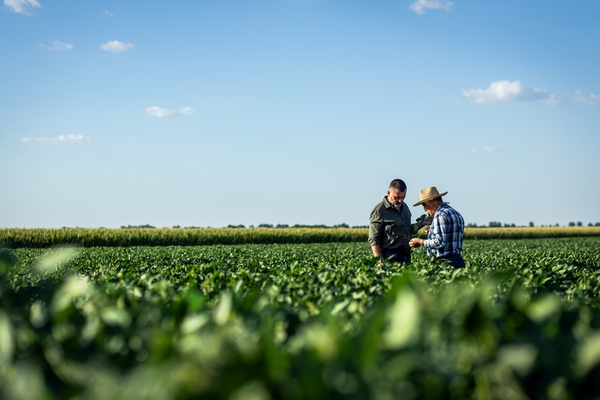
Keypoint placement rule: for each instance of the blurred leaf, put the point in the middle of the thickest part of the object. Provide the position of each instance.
(542, 308)
(115, 317)
(518, 357)
(55, 259)
(223, 309)
(251, 391)
(72, 288)
(588, 354)
(7, 345)
(403, 321)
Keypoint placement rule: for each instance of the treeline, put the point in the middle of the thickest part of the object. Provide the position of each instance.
(496, 224)
(278, 226)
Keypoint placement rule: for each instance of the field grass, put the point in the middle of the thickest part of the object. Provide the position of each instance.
(17, 238)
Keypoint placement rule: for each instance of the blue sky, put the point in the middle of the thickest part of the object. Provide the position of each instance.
(210, 113)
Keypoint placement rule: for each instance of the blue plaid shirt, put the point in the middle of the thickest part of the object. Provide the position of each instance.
(445, 236)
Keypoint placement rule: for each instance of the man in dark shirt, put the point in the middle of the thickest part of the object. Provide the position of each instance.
(390, 229)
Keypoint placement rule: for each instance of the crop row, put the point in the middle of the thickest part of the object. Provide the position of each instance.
(41, 238)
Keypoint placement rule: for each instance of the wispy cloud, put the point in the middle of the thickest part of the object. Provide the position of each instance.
(510, 92)
(420, 6)
(116, 47)
(58, 140)
(108, 13)
(56, 45)
(188, 111)
(21, 6)
(159, 112)
(591, 99)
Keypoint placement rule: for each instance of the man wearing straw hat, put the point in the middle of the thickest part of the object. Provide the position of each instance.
(390, 229)
(445, 236)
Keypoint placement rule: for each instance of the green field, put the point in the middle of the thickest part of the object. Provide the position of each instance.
(301, 321)
(15, 237)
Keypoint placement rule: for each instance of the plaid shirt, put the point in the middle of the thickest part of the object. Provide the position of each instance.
(446, 233)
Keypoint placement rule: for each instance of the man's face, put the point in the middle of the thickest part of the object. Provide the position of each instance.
(396, 197)
(429, 207)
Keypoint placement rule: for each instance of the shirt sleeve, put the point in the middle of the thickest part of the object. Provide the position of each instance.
(375, 229)
(435, 238)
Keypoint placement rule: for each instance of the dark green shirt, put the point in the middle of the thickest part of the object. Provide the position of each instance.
(389, 227)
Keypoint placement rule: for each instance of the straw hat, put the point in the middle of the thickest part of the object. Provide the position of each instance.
(429, 193)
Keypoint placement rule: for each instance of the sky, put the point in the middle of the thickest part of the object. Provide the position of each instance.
(215, 113)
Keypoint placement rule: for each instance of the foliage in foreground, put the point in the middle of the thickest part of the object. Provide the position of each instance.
(78, 340)
(509, 326)
(87, 237)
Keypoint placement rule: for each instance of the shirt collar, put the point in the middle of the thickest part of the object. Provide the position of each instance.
(441, 206)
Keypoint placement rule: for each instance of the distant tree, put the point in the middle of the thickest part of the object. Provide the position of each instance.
(579, 223)
(590, 224)
(571, 223)
(531, 224)
(597, 224)
(472, 225)
(265, 226)
(236, 226)
(342, 225)
(282, 226)
(494, 224)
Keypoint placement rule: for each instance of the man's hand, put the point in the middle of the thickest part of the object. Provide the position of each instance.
(416, 242)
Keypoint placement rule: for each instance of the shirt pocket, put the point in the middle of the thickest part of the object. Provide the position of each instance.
(391, 232)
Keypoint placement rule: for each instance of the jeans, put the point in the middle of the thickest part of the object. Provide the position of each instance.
(453, 260)
(396, 255)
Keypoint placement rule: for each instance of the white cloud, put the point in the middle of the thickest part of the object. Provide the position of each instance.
(21, 6)
(108, 13)
(591, 99)
(159, 112)
(58, 140)
(156, 111)
(188, 111)
(56, 45)
(116, 47)
(510, 92)
(420, 6)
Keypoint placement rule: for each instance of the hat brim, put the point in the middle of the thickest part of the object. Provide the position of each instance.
(429, 199)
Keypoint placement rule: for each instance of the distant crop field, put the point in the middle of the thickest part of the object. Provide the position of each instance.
(17, 238)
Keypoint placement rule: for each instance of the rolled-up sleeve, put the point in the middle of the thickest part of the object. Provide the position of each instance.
(375, 229)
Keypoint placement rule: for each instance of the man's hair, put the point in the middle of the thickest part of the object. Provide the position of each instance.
(397, 184)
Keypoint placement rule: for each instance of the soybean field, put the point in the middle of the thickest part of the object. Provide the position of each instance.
(301, 321)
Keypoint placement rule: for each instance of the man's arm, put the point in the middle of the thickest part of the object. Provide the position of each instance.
(376, 250)
(375, 233)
